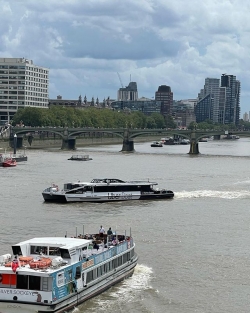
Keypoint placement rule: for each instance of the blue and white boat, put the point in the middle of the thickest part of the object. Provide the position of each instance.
(55, 274)
(106, 190)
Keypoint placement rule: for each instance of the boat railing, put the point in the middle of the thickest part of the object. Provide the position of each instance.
(108, 252)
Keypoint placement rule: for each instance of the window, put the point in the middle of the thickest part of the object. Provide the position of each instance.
(16, 250)
(22, 282)
(78, 272)
(38, 249)
(65, 253)
(89, 276)
(35, 282)
(54, 251)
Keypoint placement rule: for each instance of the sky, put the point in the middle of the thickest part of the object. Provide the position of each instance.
(86, 43)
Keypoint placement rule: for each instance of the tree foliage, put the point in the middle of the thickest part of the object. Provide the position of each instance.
(58, 116)
(209, 125)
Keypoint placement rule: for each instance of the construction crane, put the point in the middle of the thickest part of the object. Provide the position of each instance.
(120, 79)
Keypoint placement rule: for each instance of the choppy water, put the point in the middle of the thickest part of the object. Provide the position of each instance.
(193, 250)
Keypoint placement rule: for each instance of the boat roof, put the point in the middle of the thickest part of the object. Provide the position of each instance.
(113, 181)
(61, 242)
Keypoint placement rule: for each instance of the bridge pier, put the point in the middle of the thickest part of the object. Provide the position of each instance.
(128, 146)
(68, 144)
(194, 147)
(216, 137)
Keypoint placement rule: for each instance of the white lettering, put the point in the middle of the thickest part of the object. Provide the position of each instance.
(121, 196)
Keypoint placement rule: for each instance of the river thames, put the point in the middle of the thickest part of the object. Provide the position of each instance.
(193, 250)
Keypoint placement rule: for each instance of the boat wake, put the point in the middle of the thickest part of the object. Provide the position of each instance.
(213, 194)
(120, 295)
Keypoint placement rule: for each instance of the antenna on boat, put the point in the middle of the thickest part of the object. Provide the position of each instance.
(66, 235)
(83, 230)
(76, 231)
(130, 231)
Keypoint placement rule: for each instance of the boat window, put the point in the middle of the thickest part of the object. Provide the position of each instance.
(77, 191)
(65, 253)
(78, 272)
(22, 282)
(125, 258)
(54, 251)
(89, 276)
(88, 188)
(114, 263)
(119, 260)
(145, 188)
(35, 282)
(69, 275)
(38, 250)
(16, 250)
(46, 283)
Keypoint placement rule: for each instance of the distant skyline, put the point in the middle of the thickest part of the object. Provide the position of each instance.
(155, 42)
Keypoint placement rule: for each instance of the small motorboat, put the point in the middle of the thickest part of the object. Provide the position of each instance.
(185, 142)
(156, 144)
(9, 162)
(80, 158)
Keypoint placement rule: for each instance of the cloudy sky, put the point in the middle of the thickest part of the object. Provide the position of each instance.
(85, 43)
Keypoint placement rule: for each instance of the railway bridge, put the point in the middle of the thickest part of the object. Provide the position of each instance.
(69, 135)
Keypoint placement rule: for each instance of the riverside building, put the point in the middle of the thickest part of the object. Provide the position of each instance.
(219, 100)
(22, 84)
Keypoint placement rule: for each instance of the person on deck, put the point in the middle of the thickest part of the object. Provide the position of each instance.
(101, 231)
(109, 233)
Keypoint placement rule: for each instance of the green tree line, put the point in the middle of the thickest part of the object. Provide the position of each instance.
(209, 125)
(91, 117)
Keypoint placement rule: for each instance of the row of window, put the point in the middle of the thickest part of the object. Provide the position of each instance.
(23, 67)
(109, 266)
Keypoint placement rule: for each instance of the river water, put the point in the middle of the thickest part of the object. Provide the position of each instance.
(193, 250)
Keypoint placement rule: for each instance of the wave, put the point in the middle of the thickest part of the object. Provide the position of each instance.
(212, 194)
(120, 295)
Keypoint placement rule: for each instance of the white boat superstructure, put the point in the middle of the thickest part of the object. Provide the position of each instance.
(54, 274)
(104, 190)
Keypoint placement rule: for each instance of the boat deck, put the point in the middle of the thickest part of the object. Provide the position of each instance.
(97, 245)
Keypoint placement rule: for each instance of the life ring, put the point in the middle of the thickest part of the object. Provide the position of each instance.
(1, 278)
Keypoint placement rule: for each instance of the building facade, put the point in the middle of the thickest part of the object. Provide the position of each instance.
(231, 88)
(22, 84)
(128, 93)
(144, 105)
(219, 100)
(165, 96)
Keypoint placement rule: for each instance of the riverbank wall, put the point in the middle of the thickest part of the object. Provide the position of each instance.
(47, 143)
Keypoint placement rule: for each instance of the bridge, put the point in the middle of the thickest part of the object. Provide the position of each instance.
(69, 135)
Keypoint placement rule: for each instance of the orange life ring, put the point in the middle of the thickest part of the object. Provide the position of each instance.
(1, 278)
(38, 264)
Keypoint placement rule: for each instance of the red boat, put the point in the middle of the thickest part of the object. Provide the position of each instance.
(9, 162)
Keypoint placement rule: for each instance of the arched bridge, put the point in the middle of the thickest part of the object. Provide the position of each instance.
(69, 135)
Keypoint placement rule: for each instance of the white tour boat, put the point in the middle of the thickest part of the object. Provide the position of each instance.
(106, 189)
(55, 274)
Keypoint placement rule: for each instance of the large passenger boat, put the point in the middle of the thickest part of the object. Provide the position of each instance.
(106, 189)
(55, 274)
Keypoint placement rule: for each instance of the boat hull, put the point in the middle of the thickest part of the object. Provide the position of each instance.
(53, 197)
(62, 198)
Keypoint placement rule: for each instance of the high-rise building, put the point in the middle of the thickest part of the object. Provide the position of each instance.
(22, 84)
(232, 98)
(210, 93)
(165, 95)
(245, 117)
(219, 101)
(128, 93)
